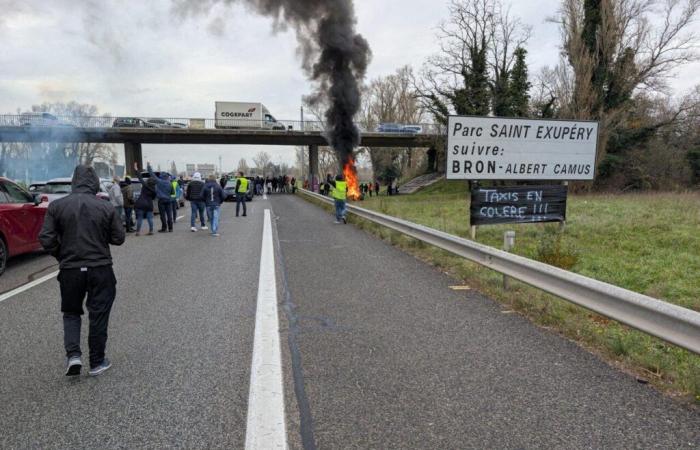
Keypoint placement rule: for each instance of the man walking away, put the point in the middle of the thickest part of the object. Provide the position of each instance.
(163, 192)
(78, 230)
(241, 192)
(340, 194)
(213, 197)
(128, 196)
(194, 193)
(116, 198)
(144, 204)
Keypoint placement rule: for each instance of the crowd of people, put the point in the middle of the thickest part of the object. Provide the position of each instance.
(205, 197)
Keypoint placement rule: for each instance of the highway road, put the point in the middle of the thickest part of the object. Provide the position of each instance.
(301, 333)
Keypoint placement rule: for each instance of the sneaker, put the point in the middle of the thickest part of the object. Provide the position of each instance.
(345, 220)
(216, 235)
(337, 222)
(74, 366)
(162, 231)
(94, 371)
(204, 227)
(193, 229)
(170, 230)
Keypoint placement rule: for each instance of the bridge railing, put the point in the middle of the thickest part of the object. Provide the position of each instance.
(53, 120)
(672, 323)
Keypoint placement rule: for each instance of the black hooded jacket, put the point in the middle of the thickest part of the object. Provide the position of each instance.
(79, 228)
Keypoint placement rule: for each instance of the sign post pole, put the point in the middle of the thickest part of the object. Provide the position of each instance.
(508, 244)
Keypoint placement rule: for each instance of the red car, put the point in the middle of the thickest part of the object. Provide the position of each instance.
(21, 219)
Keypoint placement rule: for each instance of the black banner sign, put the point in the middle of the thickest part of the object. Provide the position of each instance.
(518, 204)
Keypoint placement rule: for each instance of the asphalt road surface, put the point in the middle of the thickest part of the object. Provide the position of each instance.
(376, 352)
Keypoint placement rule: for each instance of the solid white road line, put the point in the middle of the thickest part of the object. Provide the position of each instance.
(266, 428)
(27, 286)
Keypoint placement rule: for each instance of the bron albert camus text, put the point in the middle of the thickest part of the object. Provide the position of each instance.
(544, 133)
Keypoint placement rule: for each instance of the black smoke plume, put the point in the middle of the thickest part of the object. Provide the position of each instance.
(334, 56)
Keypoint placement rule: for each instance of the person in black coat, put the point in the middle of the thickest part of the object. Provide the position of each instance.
(144, 204)
(78, 230)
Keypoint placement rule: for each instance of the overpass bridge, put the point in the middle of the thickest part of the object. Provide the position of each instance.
(24, 128)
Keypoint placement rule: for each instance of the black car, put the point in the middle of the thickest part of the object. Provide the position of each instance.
(230, 193)
(131, 122)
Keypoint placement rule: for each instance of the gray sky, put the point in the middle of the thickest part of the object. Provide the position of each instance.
(133, 58)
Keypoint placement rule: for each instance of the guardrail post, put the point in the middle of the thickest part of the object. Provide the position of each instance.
(132, 154)
(508, 244)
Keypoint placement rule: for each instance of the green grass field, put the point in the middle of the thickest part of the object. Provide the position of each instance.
(647, 243)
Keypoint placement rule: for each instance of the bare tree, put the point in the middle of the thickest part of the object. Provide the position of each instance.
(262, 160)
(477, 51)
(391, 99)
(615, 50)
(243, 166)
(81, 115)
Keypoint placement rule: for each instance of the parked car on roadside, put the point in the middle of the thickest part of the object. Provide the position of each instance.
(180, 125)
(36, 186)
(61, 187)
(131, 122)
(230, 193)
(21, 219)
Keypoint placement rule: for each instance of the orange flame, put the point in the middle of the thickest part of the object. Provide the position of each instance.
(350, 173)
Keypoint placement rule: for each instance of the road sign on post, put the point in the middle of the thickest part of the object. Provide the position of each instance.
(498, 148)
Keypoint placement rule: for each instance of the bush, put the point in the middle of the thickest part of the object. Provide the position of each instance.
(552, 251)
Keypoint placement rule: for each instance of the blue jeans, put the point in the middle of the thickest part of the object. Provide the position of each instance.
(140, 214)
(339, 210)
(213, 213)
(240, 198)
(165, 208)
(197, 207)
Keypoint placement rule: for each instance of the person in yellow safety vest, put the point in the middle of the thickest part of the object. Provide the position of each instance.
(241, 192)
(174, 198)
(340, 195)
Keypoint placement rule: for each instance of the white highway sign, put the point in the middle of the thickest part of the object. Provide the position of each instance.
(497, 148)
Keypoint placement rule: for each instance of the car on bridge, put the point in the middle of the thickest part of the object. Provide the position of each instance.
(21, 218)
(399, 128)
(160, 123)
(61, 187)
(41, 119)
(132, 122)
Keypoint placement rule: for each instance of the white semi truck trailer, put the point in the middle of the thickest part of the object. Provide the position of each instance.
(245, 115)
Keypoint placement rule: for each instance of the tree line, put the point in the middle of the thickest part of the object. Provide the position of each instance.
(617, 58)
(45, 160)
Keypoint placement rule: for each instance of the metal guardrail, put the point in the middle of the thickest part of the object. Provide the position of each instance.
(672, 323)
(38, 120)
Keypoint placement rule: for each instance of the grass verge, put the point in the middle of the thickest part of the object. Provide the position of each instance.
(645, 243)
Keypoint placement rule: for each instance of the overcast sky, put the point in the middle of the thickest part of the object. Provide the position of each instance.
(135, 58)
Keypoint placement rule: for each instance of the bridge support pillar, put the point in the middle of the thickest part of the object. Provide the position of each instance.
(132, 154)
(313, 168)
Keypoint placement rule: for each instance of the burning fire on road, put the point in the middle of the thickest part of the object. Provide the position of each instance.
(350, 174)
